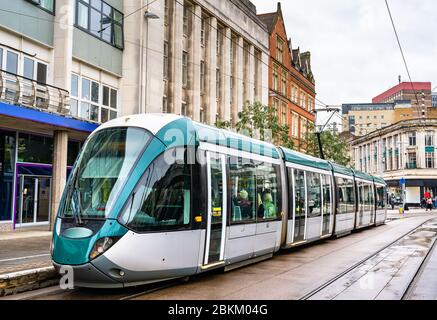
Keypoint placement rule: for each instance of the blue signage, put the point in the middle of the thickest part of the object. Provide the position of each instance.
(403, 181)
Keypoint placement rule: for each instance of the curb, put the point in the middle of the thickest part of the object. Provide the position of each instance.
(21, 281)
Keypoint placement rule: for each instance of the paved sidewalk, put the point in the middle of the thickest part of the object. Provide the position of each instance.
(24, 250)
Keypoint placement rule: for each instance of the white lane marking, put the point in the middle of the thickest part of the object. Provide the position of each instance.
(28, 257)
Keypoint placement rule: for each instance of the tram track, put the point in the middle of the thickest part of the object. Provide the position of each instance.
(333, 281)
(152, 290)
(409, 292)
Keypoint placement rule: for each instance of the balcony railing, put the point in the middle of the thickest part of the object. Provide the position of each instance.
(18, 90)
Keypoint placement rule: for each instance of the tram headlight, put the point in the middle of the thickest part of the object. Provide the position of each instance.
(102, 245)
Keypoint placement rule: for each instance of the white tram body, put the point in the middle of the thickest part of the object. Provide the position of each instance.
(154, 197)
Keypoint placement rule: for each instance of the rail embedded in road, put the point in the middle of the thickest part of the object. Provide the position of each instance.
(387, 274)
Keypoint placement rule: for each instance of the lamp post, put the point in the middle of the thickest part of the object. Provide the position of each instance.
(147, 16)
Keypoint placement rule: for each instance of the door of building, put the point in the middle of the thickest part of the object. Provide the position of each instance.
(34, 200)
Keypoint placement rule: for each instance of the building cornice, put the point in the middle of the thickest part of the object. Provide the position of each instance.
(401, 125)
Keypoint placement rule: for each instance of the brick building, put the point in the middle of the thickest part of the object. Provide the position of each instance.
(291, 82)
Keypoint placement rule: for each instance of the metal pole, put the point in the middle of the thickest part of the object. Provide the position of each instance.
(319, 141)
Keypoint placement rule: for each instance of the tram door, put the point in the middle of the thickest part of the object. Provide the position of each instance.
(300, 205)
(216, 224)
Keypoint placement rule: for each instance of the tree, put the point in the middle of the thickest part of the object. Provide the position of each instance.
(334, 148)
(222, 124)
(260, 121)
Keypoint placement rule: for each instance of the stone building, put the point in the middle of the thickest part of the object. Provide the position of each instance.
(405, 149)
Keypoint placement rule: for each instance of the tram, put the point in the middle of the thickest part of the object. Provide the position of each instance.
(158, 196)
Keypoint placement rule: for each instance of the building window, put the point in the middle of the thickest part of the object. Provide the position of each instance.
(275, 105)
(217, 84)
(202, 31)
(164, 105)
(202, 77)
(284, 82)
(294, 94)
(202, 115)
(294, 125)
(184, 68)
(32, 69)
(275, 77)
(231, 88)
(12, 62)
(166, 12)
(92, 100)
(165, 67)
(412, 138)
(185, 21)
(429, 139)
(284, 113)
(218, 41)
(279, 49)
(302, 99)
(429, 160)
(412, 161)
(184, 109)
(47, 5)
(101, 20)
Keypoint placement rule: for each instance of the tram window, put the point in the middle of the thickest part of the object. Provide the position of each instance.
(369, 197)
(267, 183)
(346, 197)
(326, 185)
(314, 194)
(162, 200)
(102, 169)
(299, 198)
(380, 198)
(361, 194)
(243, 190)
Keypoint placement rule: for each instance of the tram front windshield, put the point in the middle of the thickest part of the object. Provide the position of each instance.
(102, 169)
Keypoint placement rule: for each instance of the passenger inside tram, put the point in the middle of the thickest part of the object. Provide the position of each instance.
(269, 207)
(245, 205)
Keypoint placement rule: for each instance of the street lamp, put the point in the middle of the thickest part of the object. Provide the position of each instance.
(147, 16)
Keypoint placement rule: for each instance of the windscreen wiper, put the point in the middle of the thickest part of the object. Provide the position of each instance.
(77, 206)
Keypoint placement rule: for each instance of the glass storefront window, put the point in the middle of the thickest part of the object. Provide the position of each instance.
(73, 152)
(35, 149)
(7, 164)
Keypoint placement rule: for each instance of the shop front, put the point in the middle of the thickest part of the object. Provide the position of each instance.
(26, 177)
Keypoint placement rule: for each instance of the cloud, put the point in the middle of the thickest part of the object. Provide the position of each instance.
(354, 51)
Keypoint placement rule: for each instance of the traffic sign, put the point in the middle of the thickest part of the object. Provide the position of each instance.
(403, 181)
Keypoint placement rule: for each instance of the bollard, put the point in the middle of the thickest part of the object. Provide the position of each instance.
(401, 210)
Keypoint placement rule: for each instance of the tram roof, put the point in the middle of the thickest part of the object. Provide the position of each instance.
(341, 169)
(379, 180)
(362, 175)
(233, 140)
(305, 160)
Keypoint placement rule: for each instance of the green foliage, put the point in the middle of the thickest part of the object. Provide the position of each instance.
(260, 121)
(334, 148)
(221, 124)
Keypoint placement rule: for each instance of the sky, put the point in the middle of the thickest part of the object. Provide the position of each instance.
(354, 53)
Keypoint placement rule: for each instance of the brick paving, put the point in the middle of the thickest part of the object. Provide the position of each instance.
(24, 253)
